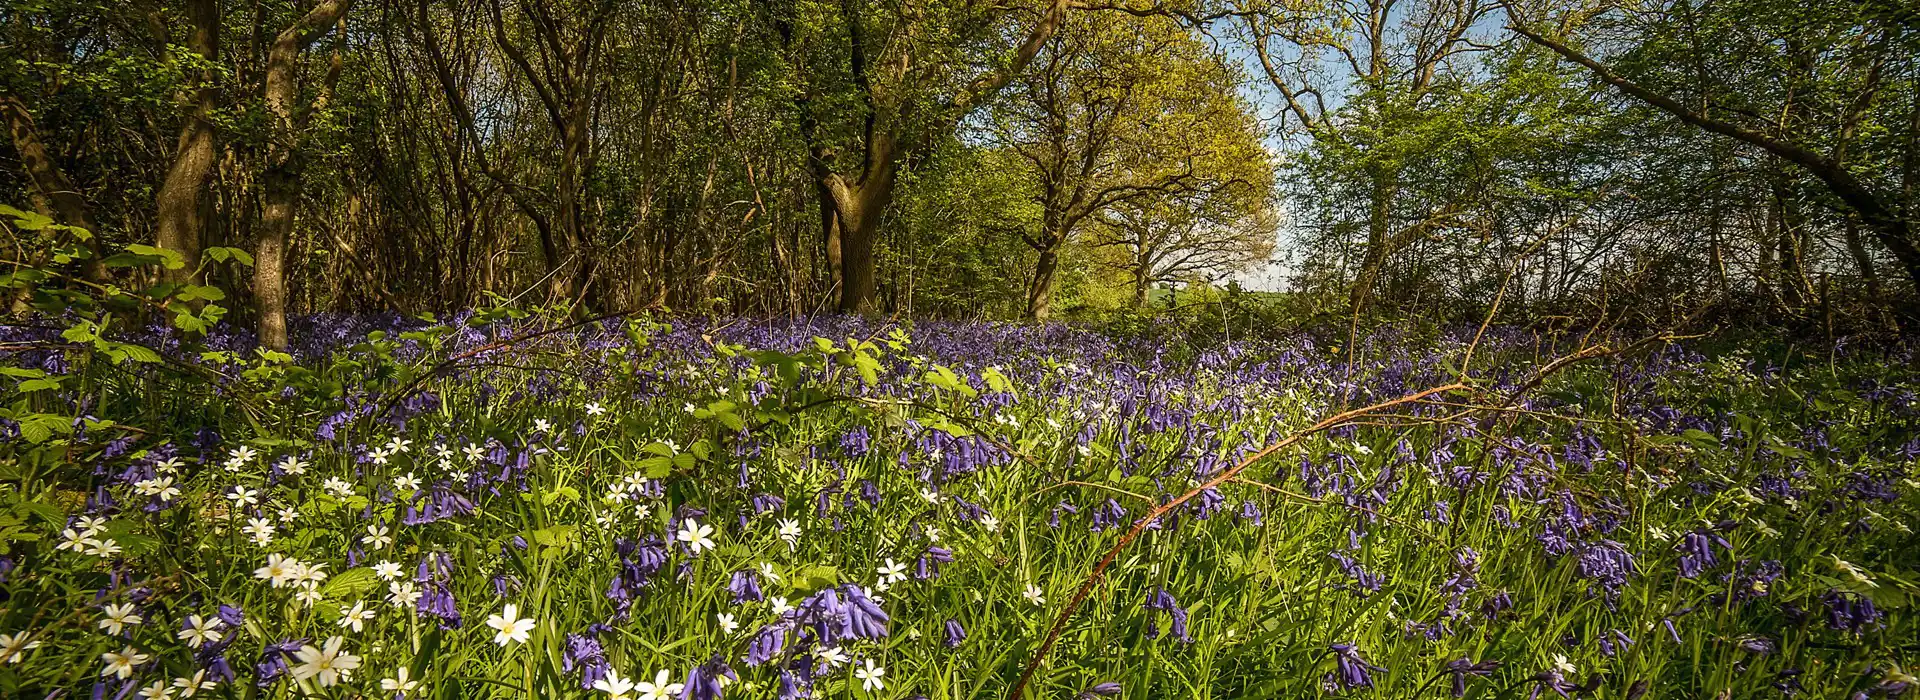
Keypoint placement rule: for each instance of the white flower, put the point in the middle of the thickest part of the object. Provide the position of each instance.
(832, 656)
(72, 540)
(870, 676)
(992, 524)
(780, 605)
(402, 594)
(660, 688)
(473, 452)
(766, 569)
(201, 630)
(239, 456)
(386, 570)
(309, 594)
(261, 529)
(398, 446)
(1853, 571)
(288, 515)
(103, 548)
(158, 690)
(14, 646)
(379, 456)
(614, 686)
(595, 409)
(243, 496)
(892, 572)
(192, 685)
(790, 531)
(340, 488)
(406, 482)
(930, 496)
(932, 533)
(399, 683)
(1561, 664)
(160, 487)
(119, 616)
(120, 663)
(326, 663)
(541, 425)
(170, 465)
(1033, 595)
(512, 628)
(377, 537)
(313, 573)
(90, 525)
(696, 535)
(293, 466)
(356, 617)
(279, 570)
(727, 624)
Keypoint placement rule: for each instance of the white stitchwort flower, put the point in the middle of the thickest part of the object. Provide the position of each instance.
(279, 570)
(870, 676)
(406, 482)
(661, 688)
(357, 616)
(261, 529)
(1032, 595)
(511, 627)
(386, 571)
(14, 646)
(201, 630)
(399, 683)
(727, 624)
(992, 524)
(377, 537)
(119, 616)
(697, 535)
(120, 663)
(616, 687)
(790, 531)
(892, 572)
(191, 686)
(326, 664)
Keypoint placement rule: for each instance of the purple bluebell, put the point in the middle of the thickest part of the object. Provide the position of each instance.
(1164, 601)
(1350, 671)
(745, 586)
(1461, 668)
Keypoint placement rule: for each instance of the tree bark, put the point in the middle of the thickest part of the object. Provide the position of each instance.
(50, 183)
(181, 200)
(281, 182)
(1040, 292)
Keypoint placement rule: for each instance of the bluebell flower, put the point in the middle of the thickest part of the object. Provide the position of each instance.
(745, 586)
(1163, 600)
(583, 651)
(1351, 671)
(1460, 668)
(955, 633)
(704, 681)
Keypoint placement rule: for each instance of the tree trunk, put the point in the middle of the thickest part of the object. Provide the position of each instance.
(1040, 292)
(1375, 256)
(282, 178)
(50, 183)
(181, 199)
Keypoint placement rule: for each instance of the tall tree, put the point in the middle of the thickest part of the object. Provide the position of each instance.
(281, 182)
(888, 82)
(183, 197)
(1116, 110)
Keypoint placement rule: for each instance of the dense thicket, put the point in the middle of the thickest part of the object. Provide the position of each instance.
(1760, 158)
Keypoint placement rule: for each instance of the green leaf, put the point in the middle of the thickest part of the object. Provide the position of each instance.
(224, 254)
(170, 259)
(350, 584)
